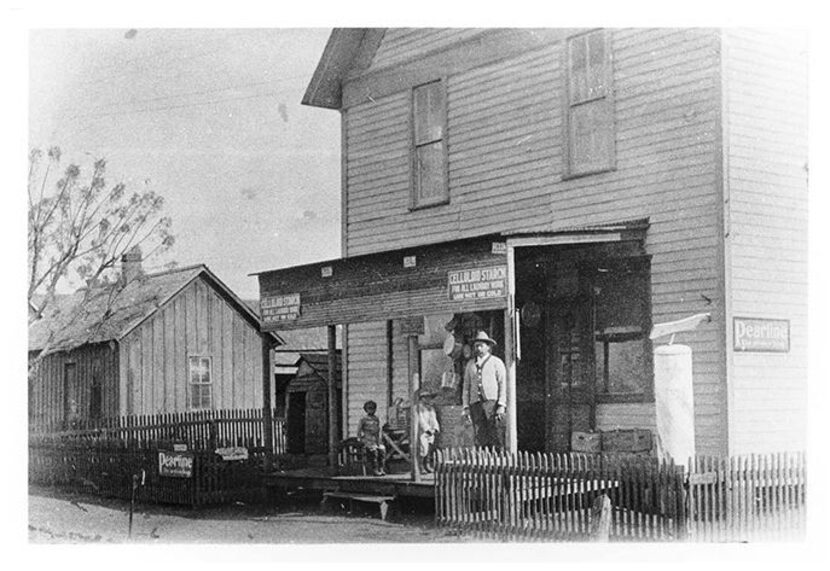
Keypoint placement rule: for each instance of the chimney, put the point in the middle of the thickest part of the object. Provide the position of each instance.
(131, 265)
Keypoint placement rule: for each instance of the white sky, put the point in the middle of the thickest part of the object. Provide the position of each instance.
(209, 118)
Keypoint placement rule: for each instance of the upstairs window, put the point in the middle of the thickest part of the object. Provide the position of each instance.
(429, 155)
(201, 396)
(589, 120)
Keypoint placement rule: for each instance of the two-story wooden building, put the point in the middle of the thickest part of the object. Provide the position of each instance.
(566, 189)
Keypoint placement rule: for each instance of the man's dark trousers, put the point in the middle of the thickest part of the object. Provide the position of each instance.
(488, 429)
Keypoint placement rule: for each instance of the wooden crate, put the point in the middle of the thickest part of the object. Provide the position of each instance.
(630, 440)
(586, 442)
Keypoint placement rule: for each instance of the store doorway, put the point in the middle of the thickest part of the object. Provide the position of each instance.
(584, 314)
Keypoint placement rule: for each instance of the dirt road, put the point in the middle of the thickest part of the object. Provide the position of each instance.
(66, 518)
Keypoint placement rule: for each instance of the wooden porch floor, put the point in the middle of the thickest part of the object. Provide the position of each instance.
(321, 479)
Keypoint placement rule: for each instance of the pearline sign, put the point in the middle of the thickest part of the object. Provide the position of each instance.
(477, 283)
(176, 464)
(280, 307)
(761, 335)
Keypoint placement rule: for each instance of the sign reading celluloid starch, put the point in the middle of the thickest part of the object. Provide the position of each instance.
(176, 464)
(280, 307)
(478, 283)
(762, 335)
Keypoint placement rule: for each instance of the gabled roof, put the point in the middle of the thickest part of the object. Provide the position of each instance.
(344, 46)
(110, 312)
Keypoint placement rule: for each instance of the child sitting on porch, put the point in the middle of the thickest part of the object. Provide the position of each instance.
(368, 431)
(427, 428)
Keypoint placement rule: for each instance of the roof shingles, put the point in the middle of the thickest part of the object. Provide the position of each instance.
(105, 313)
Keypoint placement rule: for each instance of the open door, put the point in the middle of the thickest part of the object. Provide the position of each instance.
(571, 402)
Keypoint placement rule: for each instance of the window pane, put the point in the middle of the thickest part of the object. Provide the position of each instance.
(206, 396)
(626, 366)
(578, 69)
(206, 370)
(596, 65)
(429, 174)
(591, 137)
(194, 369)
(429, 113)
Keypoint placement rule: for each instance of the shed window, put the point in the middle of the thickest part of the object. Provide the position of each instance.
(201, 396)
(429, 160)
(589, 121)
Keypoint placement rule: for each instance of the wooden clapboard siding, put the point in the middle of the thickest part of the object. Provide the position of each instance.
(402, 44)
(505, 121)
(47, 386)
(765, 132)
(366, 362)
(198, 322)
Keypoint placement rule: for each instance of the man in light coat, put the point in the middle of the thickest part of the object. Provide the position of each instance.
(484, 395)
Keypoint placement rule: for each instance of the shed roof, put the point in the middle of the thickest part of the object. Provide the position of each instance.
(320, 364)
(109, 312)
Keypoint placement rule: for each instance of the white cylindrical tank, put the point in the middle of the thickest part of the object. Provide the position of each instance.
(674, 401)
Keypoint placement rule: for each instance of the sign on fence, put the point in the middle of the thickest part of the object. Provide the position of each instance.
(233, 453)
(176, 464)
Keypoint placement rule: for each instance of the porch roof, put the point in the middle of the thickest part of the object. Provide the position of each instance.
(411, 281)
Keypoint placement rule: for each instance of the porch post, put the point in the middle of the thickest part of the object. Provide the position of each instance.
(511, 345)
(332, 346)
(414, 385)
(267, 419)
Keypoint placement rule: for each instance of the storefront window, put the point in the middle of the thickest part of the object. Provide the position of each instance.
(622, 351)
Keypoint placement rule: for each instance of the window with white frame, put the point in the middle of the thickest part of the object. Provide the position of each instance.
(429, 155)
(201, 396)
(589, 120)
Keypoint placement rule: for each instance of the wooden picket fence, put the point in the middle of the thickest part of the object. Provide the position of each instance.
(748, 498)
(208, 429)
(522, 496)
(109, 470)
(102, 457)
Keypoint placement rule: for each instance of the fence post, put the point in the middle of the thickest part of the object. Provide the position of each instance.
(601, 518)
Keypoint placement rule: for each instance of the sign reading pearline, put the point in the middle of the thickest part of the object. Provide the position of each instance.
(176, 464)
(761, 335)
(477, 283)
(280, 307)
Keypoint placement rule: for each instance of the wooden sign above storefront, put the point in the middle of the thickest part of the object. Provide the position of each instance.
(477, 283)
(280, 307)
(761, 335)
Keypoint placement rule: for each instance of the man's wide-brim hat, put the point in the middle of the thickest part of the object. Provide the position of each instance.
(482, 337)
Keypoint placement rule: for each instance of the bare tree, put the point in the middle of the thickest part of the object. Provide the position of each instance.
(79, 227)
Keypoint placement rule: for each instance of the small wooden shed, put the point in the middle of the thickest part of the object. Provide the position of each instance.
(171, 341)
(307, 404)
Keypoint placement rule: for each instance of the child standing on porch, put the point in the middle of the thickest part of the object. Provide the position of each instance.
(428, 428)
(368, 431)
